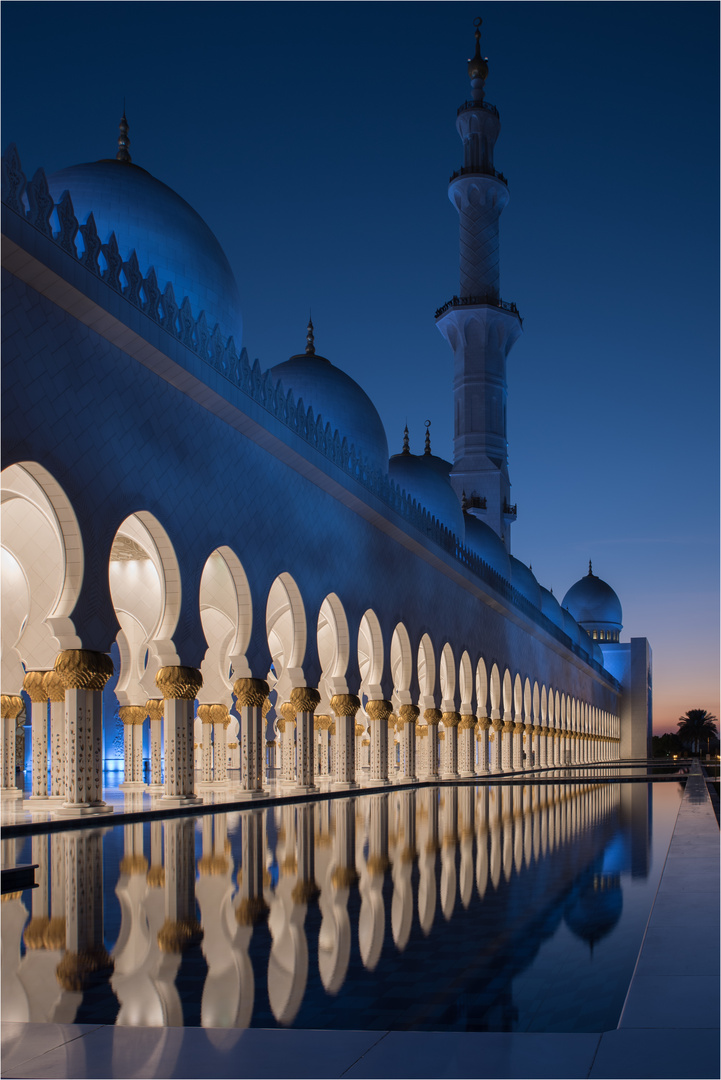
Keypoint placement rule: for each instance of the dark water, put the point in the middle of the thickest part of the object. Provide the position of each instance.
(497, 908)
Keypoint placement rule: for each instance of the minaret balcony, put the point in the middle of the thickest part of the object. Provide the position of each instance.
(509, 510)
(476, 301)
(470, 171)
(485, 105)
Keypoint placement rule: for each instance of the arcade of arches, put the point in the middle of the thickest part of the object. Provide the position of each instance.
(449, 715)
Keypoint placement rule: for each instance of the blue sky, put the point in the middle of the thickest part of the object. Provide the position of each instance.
(317, 141)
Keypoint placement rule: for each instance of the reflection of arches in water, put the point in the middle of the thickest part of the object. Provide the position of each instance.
(334, 939)
(371, 920)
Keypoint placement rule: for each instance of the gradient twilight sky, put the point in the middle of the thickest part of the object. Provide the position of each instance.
(316, 139)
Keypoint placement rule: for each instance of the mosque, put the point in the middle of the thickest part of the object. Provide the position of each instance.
(214, 574)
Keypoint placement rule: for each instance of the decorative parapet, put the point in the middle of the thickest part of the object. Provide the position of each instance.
(32, 202)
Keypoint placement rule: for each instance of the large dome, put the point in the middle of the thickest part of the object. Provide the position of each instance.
(595, 606)
(425, 478)
(481, 539)
(339, 400)
(166, 233)
(524, 582)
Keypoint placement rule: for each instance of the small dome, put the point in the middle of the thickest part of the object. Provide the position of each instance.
(598, 653)
(340, 401)
(524, 582)
(551, 608)
(426, 478)
(165, 232)
(484, 542)
(571, 627)
(595, 606)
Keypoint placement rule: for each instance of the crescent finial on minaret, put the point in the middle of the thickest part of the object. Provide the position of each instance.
(428, 437)
(310, 340)
(123, 153)
(477, 66)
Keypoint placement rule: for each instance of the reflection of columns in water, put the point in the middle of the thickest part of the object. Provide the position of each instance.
(402, 903)
(181, 928)
(517, 794)
(371, 922)
(222, 995)
(407, 716)
(507, 829)
(83, 674)
(306, 888)
(449, 839)
(466, 833)
(495, 839)
(86, 960)
(427, 816)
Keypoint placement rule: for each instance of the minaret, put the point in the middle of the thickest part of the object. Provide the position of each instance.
(479, 326)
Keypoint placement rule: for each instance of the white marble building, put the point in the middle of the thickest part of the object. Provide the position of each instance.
(222, 563)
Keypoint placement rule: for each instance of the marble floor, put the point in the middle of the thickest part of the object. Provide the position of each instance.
(669, 1026)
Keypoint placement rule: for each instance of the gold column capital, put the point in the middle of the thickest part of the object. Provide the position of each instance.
(54, 686)
(83, 669)
(519, 728)
(305, 699)
(11, 705)
(265, 708)
(359, 729)
(379, 710)
(179, 683)
(408, 714)
(468, 721)
(132, 714)
(154, 708)
(214, 714)
(176, 935)
(432, 716)
(497, 723)
(251, 692)
(321, 722)
(483, 724)
(34, 686)
(451, 719)
(288, 712)
(345, 704)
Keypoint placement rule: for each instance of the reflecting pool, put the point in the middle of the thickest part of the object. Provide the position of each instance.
(467, 908)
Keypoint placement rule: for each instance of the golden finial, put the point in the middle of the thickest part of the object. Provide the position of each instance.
(310, 341)
(428, 437)
(123, 153)
(477, 66)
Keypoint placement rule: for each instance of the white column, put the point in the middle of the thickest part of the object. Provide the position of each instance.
(345, 707)
(12, 705)
(378, 713)
(179, 687)
(154, 709)
(407, 716)
(34, 687)
(251, 696)
(84, 673)
(305, 700)
(451, 721)
(432, 718)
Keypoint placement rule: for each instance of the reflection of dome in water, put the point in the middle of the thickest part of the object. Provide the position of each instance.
(593, 912)
(595, 606)
(339, 400)
(426, 478)
(165, 232)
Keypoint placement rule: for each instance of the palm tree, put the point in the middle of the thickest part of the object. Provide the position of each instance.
(695, 727)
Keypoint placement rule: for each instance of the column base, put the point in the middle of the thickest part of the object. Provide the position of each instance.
(344, 785)
(133, 785)
(11, 793)
(465, 774)
(401, 779)
(250, 795)
(83, 809)
(43, 802)
(376, 783)
(155, 789)
(180, 800)
(213, 785)
(449, 776)
(303, 789)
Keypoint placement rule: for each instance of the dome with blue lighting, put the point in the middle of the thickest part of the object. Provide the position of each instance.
(426, 478)
(551, 608)
(595, 607)
(525, 583)
(484, 542)
(338, 399)
(166, 233)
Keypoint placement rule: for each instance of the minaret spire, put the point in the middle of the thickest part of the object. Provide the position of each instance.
(479, 326)
(310, 339)
(428, 438)
(123, 153)
(406, 441)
